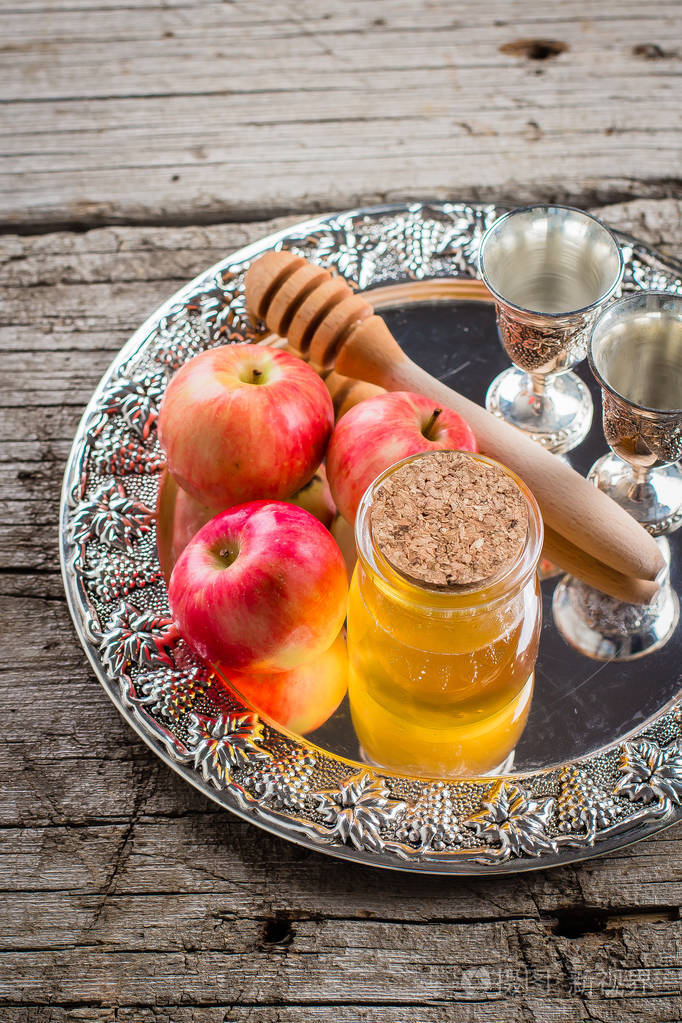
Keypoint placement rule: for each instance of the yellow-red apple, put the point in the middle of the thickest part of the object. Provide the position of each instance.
(178, 518)
(261, 587)
(244, 422)
(301, 699)
(316, 497)
(344, 534)
(379, 432)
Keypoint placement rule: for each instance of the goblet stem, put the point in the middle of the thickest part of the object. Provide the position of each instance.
(538, 384)
(641, 491)
(641, 475)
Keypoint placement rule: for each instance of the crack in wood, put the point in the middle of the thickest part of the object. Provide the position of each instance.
(596, 195)
(145, 787)
(578, 922)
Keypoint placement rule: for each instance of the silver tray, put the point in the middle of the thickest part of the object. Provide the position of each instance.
(600, 763)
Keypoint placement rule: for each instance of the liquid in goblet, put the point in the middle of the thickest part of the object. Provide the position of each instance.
(550, 270)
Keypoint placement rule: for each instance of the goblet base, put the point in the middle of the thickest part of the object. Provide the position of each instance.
(558, 417)
(655, 501)
(610, 630)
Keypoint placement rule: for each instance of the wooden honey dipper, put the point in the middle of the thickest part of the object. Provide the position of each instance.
(346, 393)
(332, 326)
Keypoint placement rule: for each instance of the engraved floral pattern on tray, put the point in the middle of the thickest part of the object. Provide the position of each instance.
(119, 603)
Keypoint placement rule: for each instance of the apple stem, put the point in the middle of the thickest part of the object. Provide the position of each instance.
(257, 374)
(431, 423)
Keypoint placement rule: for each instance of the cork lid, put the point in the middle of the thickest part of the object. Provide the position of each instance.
(448, 519)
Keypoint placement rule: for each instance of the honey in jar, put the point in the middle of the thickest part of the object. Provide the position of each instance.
(444, 614)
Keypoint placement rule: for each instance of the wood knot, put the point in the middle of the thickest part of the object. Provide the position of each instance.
(649, 51)
(534, 49)
(277, 930)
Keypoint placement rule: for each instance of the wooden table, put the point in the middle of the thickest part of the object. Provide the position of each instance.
(143, 141)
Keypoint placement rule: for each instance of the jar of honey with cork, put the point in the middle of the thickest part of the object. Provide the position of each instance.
(444, 614)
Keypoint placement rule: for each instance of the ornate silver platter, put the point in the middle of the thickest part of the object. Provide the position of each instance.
(600, 763)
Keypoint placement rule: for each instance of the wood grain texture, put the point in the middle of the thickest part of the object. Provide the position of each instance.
(125, 895)
(196, 111)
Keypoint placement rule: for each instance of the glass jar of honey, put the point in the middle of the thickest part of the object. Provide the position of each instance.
(444, 614)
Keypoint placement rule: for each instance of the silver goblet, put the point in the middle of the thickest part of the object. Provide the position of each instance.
(636, 357)
(550, 270)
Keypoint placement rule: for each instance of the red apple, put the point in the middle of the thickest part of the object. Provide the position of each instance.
(179, 517)
(379, 432)
(261, 587)
(301, 699)
(244, 422)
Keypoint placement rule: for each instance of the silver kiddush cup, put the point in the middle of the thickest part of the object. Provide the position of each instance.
(550, 270)
(636, 357)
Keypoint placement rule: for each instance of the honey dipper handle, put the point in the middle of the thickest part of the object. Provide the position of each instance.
(570, 505)
(576, 562)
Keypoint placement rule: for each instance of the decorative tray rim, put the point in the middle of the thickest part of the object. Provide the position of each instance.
(286, 784)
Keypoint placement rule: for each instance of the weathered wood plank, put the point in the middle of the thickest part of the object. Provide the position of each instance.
(205, 853)
(207, 111)
(529, 1009)
(325, 961)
